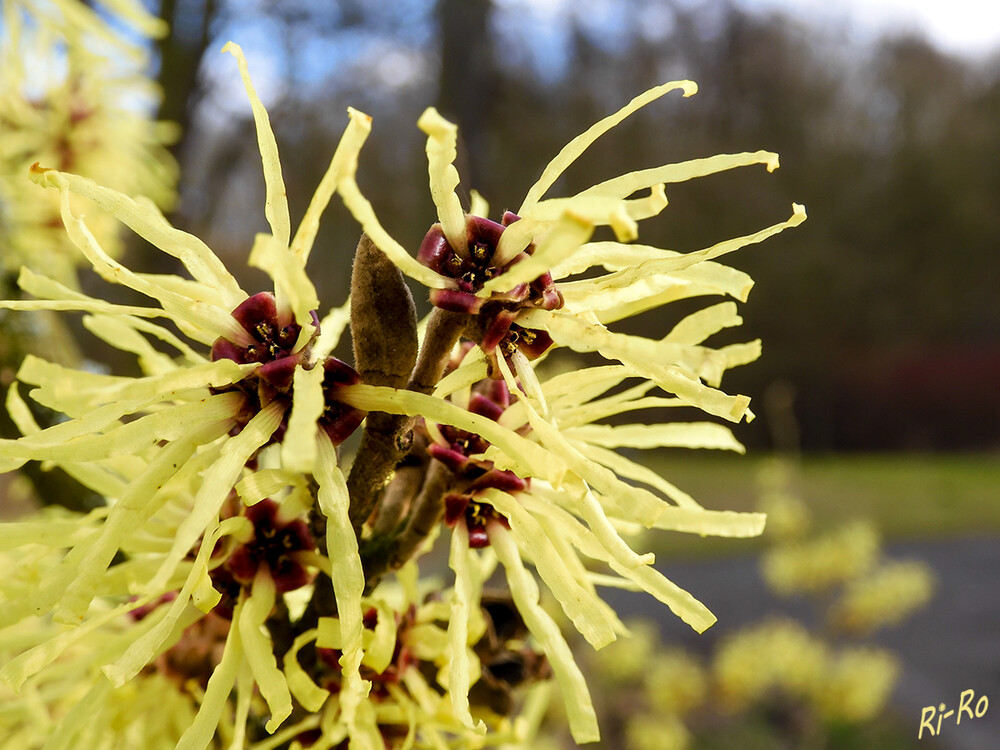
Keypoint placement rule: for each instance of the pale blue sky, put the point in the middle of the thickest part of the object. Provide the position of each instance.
(967, 27)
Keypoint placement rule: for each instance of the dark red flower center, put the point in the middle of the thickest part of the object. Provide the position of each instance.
(471, 268)
(473, 475)
(274, 336)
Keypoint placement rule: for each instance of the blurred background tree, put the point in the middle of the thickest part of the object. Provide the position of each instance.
(880, 313)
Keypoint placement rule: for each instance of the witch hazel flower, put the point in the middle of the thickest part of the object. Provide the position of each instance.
(522, 468)
(456, 449)
(506, 275)
(407, 653)
(249, 380)
(509, 281)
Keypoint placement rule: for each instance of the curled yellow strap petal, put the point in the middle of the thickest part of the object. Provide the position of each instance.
(306, 692)
(298, 447)
(262, 483)
(292, 287)
(442, 137)
(246, 691)
(218, 481)
(356, 133)
(177, 616)
(259, 650)
(577, 494)
(50, 533)
(79, 717)
(203, 322)
(464, 599)
(346, 574)
(472, 370)
(680, 602)
(328, 633)
(131, 512)
(76, 441)
(632, 470)
(55, 296)
(121, 335)
(625, 294)
(570, 231)
(626, 184)
(580, 605)
(698, 326)
(517, 237)
(171, 383)
(620, 214)
(32, 661)
(275, 203)
(626, 259)
(582, 142)
(362, 210)
(380, 647)
(728, 523)
(584, 576)
(579, 707)
(531, 459)
(478, 204)
(220, 685)
(669, 435)
(584, 334)
(145, 219)
(668, 377)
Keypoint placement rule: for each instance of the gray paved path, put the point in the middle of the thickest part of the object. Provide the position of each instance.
(950, 646)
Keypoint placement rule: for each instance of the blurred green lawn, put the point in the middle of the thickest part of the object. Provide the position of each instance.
(909, 496)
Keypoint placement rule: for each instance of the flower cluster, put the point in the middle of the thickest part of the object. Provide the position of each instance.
(81, 117)
(234, 559)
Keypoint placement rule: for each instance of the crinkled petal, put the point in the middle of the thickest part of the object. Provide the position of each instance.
(680, 602)
(263, 483)
(305, 235)
(217, 483)
(346, 573)
(292, 285)
(57, 392)
(442, 137)
(200, 320)
(56, 296)
(298, 447)
(309, 695)
(465, 598)
(146, 220)
(363, 212)
(582, 142)
(530, 459)
(220, 685)
(580, 605)
(626, 184)
(670, 435)
(588, 335)
(32, 661)
(727, 523)
(76, 440)
(381, 645)
(259, 649)
(571, 230)
(632, 470)
(275, 202)
(130, 513)
(621, 295)
(579, 707)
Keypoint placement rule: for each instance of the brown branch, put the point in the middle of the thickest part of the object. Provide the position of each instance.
(387, 437)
